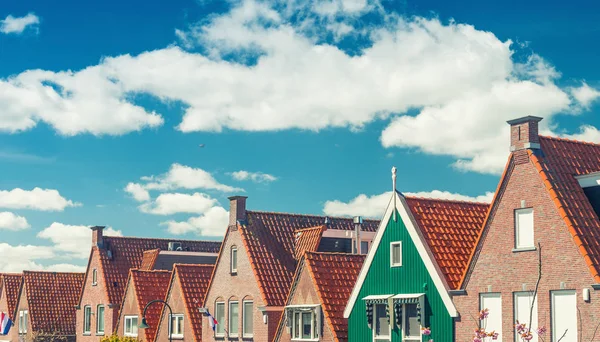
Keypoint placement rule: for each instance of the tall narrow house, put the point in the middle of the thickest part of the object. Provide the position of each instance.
(10, 285)
(419, 255)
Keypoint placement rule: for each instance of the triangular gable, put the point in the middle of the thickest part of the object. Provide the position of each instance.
(402, 208)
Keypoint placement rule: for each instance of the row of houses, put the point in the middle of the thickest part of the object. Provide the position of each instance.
(423, 272)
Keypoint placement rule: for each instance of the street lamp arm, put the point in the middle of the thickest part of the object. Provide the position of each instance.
(145, 324)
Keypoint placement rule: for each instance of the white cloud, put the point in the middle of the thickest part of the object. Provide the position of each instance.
(36, 199)
(74, 240)
(212, 223)
(10, 221)
(375, 205)
(138, 192)
(585, 95)
(65, 268)
(185, 177)
(23, 257)
(172, 203)
(257, 177)
(17, 25)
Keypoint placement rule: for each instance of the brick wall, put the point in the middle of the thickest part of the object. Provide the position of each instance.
(242, 286)
(506, 271)
(14, 331)
(23, 304)
(177, 304)
(130, 308)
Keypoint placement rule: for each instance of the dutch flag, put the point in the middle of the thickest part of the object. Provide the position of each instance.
(212, 321)
(5, 324)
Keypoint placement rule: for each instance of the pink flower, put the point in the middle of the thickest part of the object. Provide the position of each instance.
(521, 327)
(483, 314)
(477, 339)
(495, 336)
(426, 331)
(541, 330)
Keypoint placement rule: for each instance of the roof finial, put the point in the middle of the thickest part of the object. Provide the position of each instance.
(394, 189)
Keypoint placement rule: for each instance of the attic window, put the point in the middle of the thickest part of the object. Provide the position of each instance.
(94, 277)
(234, 254)
(396, 254)
(524, 229)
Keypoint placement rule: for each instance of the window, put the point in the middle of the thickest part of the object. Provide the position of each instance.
(234, 260)
(411, 327)
(364, 247)
(523, 303)
(176, 326)
(131, 326)
(247, 326)
(94, 277)
(234, 318)
(220, 317)
(381, 331)
(524, 228)
(492, 302)
(564, 315)
(100, 320)
(396, 254)
(87, 319)
(23, 321)
(305, 323)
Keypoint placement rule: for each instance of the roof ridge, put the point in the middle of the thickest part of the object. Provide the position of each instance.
(569, 140)
(157, 239)
(149, 271)
(178, 264)
(446, 200)
(309, 228)
(336, 253)
(52, 272)
(300, 215)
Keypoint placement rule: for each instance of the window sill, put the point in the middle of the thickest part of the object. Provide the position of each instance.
(305, 339)
(524, 249)
(100, 334)
(87, 334)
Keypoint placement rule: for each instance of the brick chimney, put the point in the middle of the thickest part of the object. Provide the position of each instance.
(97, 236)
(237, 210)
(524, 133)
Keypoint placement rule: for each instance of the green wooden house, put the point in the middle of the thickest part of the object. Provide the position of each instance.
(418, 257)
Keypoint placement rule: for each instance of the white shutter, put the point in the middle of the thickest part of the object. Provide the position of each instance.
(492, 302)
(564, 316)
(524, 228)
(523, 302)
(318, 322)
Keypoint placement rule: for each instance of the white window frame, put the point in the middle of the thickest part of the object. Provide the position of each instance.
(535, 319)
(220, 322)
(237, 334)
(87, 320)
(94, 277)
(481, 307)
(244, 315)
(518, 244)
(557, 334)
(404, 337)
(98, 316)
(23, 318)
(375, 320)
(177, 334)
(131, 333)
(392, 245)
(234, 250)
(315, 323)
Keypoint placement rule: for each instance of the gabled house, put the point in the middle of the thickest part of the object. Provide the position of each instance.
(46, 307)
(314, 310)
(10, 285)
(142, 287)
(257, 262)
(186, 295)
(110, 260)
(548, 197)
(419, 255)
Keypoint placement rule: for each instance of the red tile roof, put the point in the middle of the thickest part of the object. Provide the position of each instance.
(558, 164)
(269, 240)
(307, 240)
(451, 229)
(148, 286)
(52, 297)
(334, 276)
(11, 284)
(127, 253)
(149, 259)
(193, 281)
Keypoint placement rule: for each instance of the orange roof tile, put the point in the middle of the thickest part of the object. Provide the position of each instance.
(52, 297)
(150, 285)
(334, 276)
(269, 240)
(128, 252)
(307, 240)
(558, 164)
(11, 283)
(451, 229)
(194, 281)
(149, 259)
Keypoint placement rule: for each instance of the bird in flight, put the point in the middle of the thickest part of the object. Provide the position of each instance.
(201, 145)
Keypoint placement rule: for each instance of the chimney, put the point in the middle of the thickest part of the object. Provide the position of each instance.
(237, 210)
(97, 236)
(524, 133)
(357, 228)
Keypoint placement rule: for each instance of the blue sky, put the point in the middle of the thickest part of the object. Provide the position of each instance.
(103, 107)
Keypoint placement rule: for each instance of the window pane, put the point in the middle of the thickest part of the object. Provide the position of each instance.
(411, 324)
(382, 327)
(523, 304)
(492, 302)
(564, 315)
(134, 326)
(100, 317)
(524, 228)
(306, 324)
(220, 317)
(296, 325)
(248, 310)
(87, 317)
(233, 259)
(127, 325)
(234, 314)
(364, 247)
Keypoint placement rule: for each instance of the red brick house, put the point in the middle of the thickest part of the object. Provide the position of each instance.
(549, 195)
(110, 260)
(142, 287)
(318, 296)
(10, 285)
(257, 262)
(46, 307)
(186, 295)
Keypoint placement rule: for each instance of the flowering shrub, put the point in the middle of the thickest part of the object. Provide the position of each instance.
(524, 333)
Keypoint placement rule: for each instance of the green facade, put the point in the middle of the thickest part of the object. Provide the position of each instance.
(411, 277)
